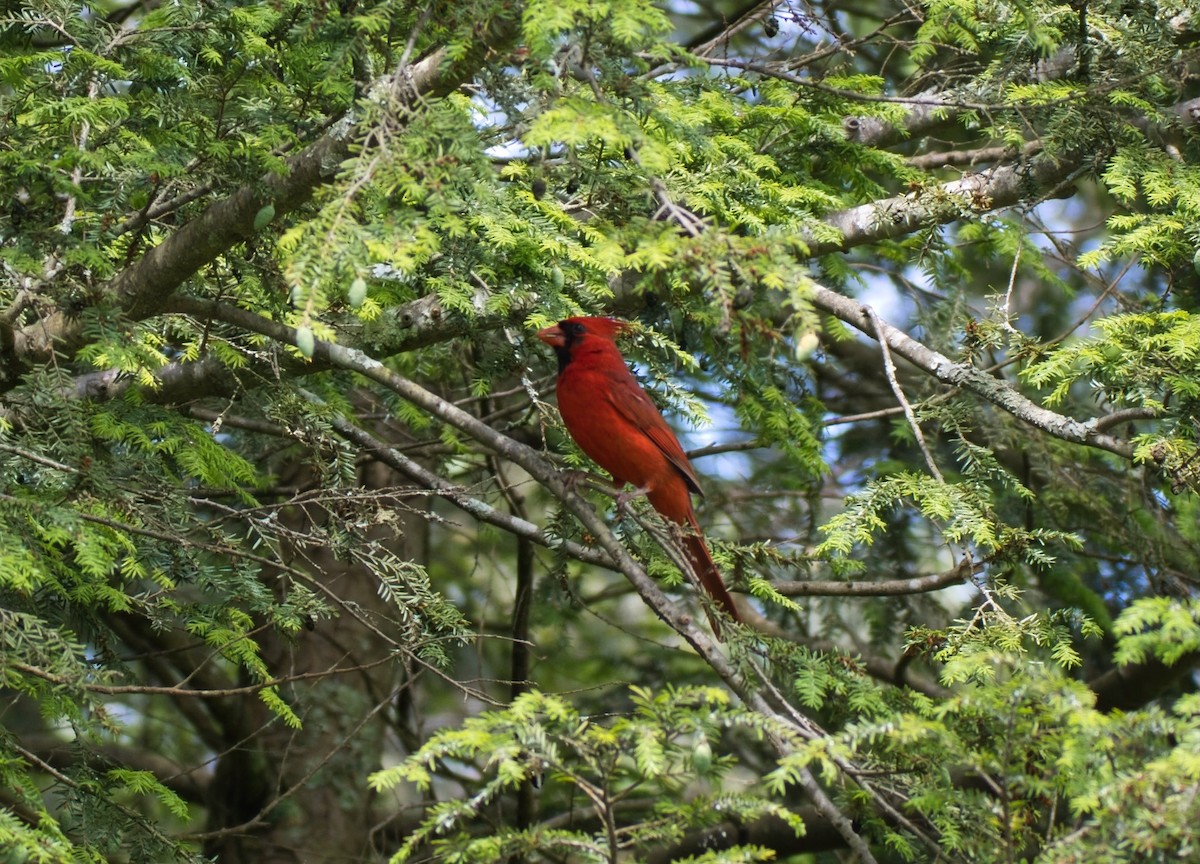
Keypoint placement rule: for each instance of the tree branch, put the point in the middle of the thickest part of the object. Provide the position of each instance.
(1129, 687)
(995, 390)
(534, 464)
(190, 783)
(923, 115)
(459, 497)
(942, 159)
(997, 187)
(887, 588)
(769, 832)
(413, 325)
(423, 322)
(143, 288)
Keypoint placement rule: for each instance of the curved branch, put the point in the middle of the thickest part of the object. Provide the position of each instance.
(190, 783)
(995, 390)
(413, 325)
(1129, 687)
(1125, 415)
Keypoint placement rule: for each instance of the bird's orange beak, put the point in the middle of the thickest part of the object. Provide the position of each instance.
(553, 336)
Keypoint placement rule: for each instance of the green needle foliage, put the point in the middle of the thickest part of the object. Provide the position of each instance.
(289, 569)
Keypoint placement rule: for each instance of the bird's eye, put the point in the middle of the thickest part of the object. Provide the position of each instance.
(575, 328)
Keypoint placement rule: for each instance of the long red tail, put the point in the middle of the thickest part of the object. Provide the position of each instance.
(710, 576)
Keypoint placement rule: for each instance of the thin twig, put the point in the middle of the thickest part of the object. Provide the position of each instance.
(889, 369)
(191, 692)
(1006, 321)
(81, 143)
(853, 95)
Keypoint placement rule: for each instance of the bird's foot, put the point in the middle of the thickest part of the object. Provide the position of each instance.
(572, 478)
(623, 498)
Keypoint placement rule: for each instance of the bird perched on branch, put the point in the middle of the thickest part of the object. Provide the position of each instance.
(616, 424)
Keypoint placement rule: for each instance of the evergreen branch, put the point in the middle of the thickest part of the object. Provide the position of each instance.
(190, 783)
(143, 288)
(423, 321)
(863, 417)
(416, 324)
(536, 465)
(89, 789)
(925, 116)
(265, 562)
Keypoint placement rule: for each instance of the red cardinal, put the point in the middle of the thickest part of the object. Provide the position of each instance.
(615, 423)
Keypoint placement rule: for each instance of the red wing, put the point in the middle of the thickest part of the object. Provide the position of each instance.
(632, 403)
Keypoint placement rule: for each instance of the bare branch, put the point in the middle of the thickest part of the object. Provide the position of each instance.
(980, 155)
(920, 118)
(757, 10)
(1126, 415)
(985, 191)
(889, 369)
(888, 588)
(770, 70)
(995, 390)
(1129, 687)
